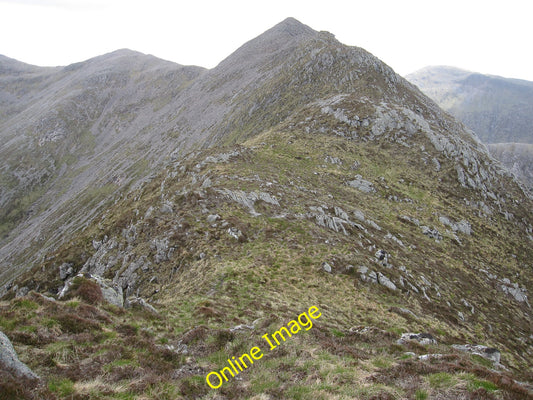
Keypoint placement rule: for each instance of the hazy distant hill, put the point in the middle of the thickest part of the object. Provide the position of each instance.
(163, 219)
(499, 110)
(518, 157)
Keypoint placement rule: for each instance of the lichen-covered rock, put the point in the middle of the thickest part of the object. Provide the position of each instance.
(141, 303)
(431, 233)
(514, 290)
(235, 233)
(333, 160)
(65, 270)
(334, 223)
(394, 239)
(462, 226)
(367, 275)
(326, 267)
(427, 357)
(241, 327)
(248, 199)
(339, 212)
(10, 361)
(161, 247)
(130, 234)
(166, 208)
(421, 338)
(104, 258)
(382, 257)
(127, 279)
(404, 312)
(384, 281)
(219, 158)
(490, 353)
(212, 218)
(363, 185)
(21, 292)
(112, 292)
(188, 369)
(362, 270)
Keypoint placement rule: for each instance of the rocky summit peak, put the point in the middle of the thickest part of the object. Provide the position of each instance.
(292, 27)
(286, 35)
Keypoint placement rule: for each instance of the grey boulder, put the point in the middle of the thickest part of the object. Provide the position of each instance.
(10, 361)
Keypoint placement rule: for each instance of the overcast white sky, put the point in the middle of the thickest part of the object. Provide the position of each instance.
(487, 36)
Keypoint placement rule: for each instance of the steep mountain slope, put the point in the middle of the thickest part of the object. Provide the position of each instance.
(98, 127)
(319, 178)
(518, 157)
(20, 83)
(75, 135)
(498, 109)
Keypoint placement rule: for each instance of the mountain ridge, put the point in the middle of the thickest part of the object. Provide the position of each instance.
(191, 211)
(8, 64)
(201, 119)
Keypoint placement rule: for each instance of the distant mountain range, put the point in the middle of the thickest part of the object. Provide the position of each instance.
(499, 110)
(160, 221)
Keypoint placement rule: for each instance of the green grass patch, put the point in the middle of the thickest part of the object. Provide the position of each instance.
(124, 396)
(25, 304)
(107, 335)
(28, 328)
(441, 380)
(7, 324)
(49, 322)
(63, 387)
(299, 392)
(382, 362)
(475, 383)
(481, 361)
(421, 394)
(337, 332)
(264, 383)
(396, 330)
(120, 363)
(73, 303)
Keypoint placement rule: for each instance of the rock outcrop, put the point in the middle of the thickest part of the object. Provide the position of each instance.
(490, 353)
(10, 361)
(421, 338)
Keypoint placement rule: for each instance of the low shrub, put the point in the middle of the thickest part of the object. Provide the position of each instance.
(87, 290)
